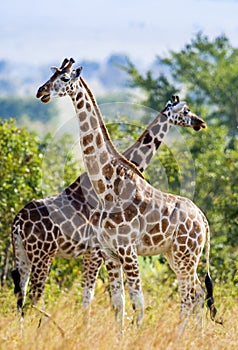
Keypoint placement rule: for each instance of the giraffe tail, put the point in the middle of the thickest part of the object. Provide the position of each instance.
(16, 279)
(209, 296)
(16, 226)
(208, 282)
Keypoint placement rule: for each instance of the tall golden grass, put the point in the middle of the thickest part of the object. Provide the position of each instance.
(67, 328)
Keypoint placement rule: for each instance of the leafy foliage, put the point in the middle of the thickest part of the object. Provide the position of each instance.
(203, 67)
(210, 84)
(157, 90)
(21, 158)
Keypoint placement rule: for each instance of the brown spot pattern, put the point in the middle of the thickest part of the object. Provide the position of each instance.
(87, 139)
(80, 104)
(156, 228)
(146, 240)
(116, 217)
(100, 186)
(89, 150)
(164, 224)
(130, 212)
(109, 197)
(85, 127)
(107, 171)
(93, 122)
(103, 157)
(88, 107)
(99, 140)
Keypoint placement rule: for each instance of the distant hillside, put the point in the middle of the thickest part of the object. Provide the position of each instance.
(19, 83)
(23, 79)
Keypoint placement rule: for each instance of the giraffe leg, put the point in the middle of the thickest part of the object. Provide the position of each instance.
(21, 277)
(192, 300)
(131, 269)
(21, 274)
(188, 298)
(115, 275)
(40, 272)
(200, 297)
(92, 262)
(190, 289)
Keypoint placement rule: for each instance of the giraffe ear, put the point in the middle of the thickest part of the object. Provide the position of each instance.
(78, 71)
(54, 69)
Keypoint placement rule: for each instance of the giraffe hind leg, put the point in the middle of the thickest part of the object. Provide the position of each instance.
(21, 274)
(39, 275)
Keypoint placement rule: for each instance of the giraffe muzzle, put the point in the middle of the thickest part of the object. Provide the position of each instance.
(45, 98)
(43, 94)
(198, 124)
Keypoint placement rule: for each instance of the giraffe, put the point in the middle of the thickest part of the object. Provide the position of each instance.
(57, 225)
(134, 218)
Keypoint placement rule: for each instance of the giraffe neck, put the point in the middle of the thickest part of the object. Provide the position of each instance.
(98, 150)
(141, 152)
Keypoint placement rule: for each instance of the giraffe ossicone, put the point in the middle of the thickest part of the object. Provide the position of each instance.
(133, 225)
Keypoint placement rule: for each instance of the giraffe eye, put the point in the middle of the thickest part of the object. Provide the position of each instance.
(65, 79)
(186, 111)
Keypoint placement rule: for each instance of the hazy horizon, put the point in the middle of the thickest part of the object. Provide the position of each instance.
(50, 30)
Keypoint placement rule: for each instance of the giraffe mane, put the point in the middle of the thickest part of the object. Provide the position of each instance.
(126, 161)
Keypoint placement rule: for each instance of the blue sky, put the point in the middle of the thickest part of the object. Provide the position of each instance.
(46, 31)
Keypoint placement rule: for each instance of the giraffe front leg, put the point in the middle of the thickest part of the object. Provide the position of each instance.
(131, 269)
(92, 262)
(115, 276)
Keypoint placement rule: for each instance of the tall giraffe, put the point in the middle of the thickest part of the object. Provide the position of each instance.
(134, 218)
(57, 225)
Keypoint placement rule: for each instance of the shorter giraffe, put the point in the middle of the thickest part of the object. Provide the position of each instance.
(58, 225)
(135, 218)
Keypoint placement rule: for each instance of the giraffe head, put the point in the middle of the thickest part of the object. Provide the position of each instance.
(61, 83)
(177, 112)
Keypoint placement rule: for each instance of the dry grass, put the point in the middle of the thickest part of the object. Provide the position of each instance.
(158, 331)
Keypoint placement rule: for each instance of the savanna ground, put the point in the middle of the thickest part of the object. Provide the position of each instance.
(67, 327)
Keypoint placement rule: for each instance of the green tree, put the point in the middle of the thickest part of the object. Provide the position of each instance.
(157, 90)
(21, 158)
(209, 70)
(207, 73)
(216, 194)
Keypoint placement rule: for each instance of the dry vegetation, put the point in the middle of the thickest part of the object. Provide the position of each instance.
(67, 328)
